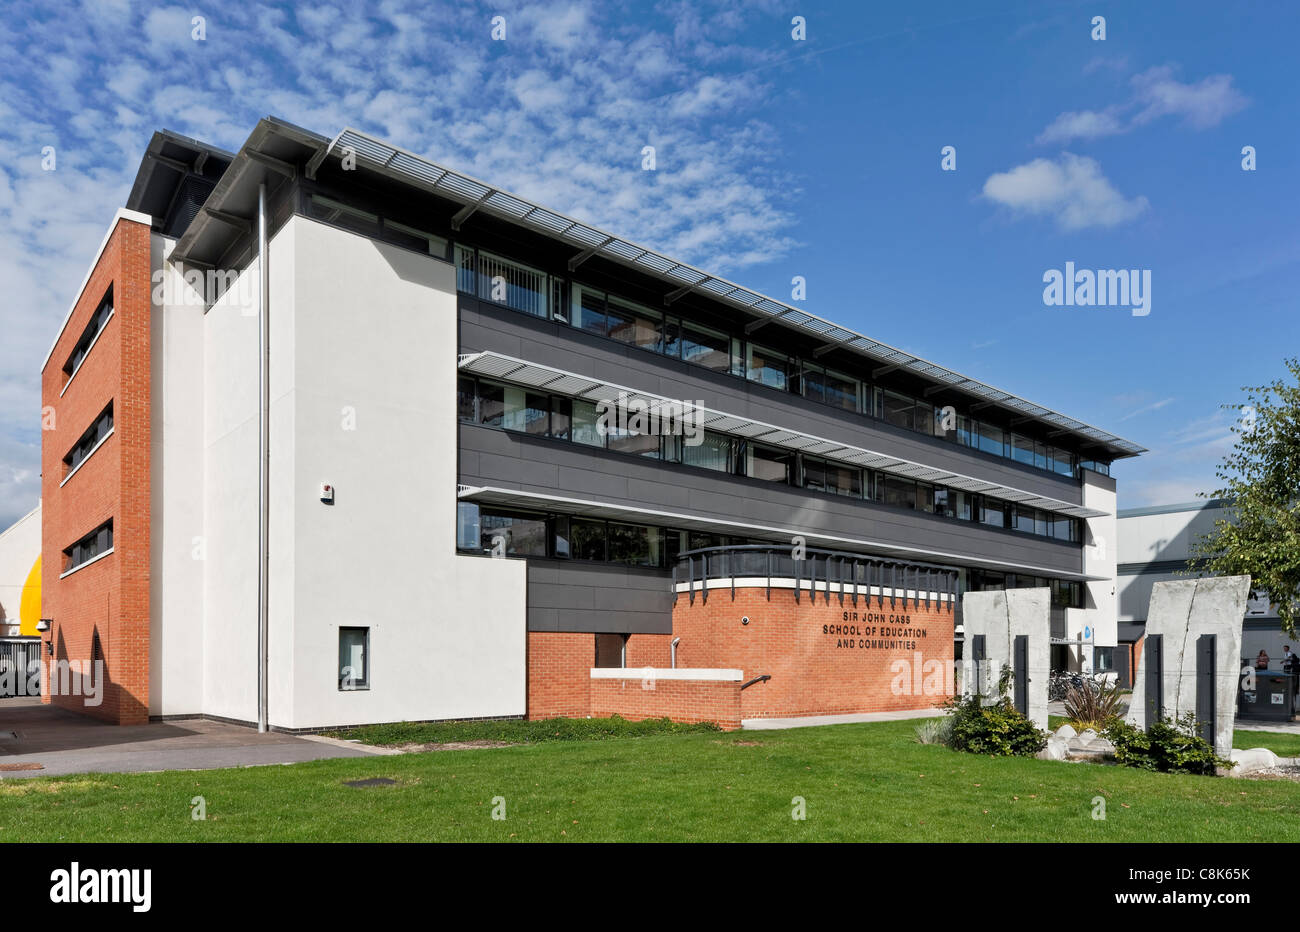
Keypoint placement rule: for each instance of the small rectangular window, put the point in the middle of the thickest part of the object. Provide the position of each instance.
(610, 650)
(88, 441)
(95, 544)
(88, 336)
(354, 658)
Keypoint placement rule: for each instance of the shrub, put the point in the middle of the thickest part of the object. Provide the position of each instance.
(1168, 747)
(997, 729)
(935, 731)
(1096, 709)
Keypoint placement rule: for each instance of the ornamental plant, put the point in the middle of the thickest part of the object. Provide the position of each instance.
(997, 729)
(1169, 746)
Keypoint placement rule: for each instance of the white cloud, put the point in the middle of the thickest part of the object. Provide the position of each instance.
(1084, 124)
(1156, 93)
(1072, 190)
(1202, 105)
(558, 112)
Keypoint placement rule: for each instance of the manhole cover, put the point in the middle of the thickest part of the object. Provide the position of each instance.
(373, 781)
(10, 767)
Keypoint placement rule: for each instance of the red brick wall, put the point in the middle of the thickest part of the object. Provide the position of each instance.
(559, 671)
(817, 669)
(680, 700)
(110, 597)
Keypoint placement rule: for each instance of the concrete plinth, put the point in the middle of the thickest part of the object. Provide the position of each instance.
(1181, 611)
(1001, 616)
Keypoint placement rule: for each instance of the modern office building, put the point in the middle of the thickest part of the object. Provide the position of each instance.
(1154, 546)
(514, 461)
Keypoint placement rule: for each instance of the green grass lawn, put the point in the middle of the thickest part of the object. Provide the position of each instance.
(868, 782)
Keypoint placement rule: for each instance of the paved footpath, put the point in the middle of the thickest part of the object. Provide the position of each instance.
(63, 742)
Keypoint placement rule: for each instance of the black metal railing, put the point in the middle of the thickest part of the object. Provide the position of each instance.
(848, 577)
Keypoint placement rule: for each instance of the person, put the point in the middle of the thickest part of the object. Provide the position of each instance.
(1261, 662)
(1290, 662)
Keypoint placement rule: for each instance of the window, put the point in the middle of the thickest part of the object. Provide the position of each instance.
(88, 441)
(896, 491)
(925, 497)
(610, 650)
(95, 544)
(635, 544)
(993, 512)
(354, 658)
(830, 388)
(401, 235)
(705, 347)
(768, 367)
(830, 477)
(561, 415)
(521, 534)
(1062, 461)
(513, 408)
(98, 320)
(349, 218)
(899, 410)
(629, 323)
(587, 539)
(1022, 449)
(989, 439)
(466, 395)
(769, 463)
(589, 311)
(467, 526)
(713, 452)
(517, 286)
(585, 428)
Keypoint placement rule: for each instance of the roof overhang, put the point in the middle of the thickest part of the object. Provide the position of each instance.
(533, 375)
(536, 501)
(475, 195)
(273, 153)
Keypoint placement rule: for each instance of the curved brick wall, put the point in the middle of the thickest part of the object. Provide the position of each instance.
(824, 659)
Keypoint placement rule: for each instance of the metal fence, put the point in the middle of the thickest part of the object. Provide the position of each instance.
(846, 576)
(20, 667)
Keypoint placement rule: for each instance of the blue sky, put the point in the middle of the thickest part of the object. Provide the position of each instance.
(774, 158)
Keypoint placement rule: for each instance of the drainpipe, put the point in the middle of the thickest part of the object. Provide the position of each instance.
(674, 650)
(263, 456)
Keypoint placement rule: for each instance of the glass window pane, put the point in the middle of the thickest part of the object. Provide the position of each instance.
(671, 340)
(560, 535)
(629, 323)
(1062, 462)
(897, 491)
(623, 441)
(993, 512)
(521, 534)
(706, 348)
(1022, 449)
(769, 464)
(768, 367)
(841, 391)
(713, 452)
(561, 414)
(813, 383)
(354, 671)
(925, 497)
(584, 427)
(990, 438)
(634, 544)
(468, 534)
(925, 417)
(609, 651)
(587, 539)
(899, 410)
(512, 284)
(589, 310)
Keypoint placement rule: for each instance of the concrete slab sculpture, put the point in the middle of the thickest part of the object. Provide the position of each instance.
(1000, 616)
(1181, 611)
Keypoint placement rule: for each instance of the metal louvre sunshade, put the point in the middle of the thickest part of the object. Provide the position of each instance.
(538, 501)
(387, 159)
(497, 366)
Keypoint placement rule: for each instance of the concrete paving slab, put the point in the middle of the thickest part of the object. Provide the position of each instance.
(63, 742)
(808, 721)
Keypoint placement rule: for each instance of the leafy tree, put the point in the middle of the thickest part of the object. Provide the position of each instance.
(1261, 481)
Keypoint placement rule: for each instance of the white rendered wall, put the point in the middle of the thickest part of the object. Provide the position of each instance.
(177, 543)
(375, 348)
(20, 547)
(1099, 559)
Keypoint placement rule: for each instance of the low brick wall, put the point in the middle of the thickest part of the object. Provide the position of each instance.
(641, 694)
